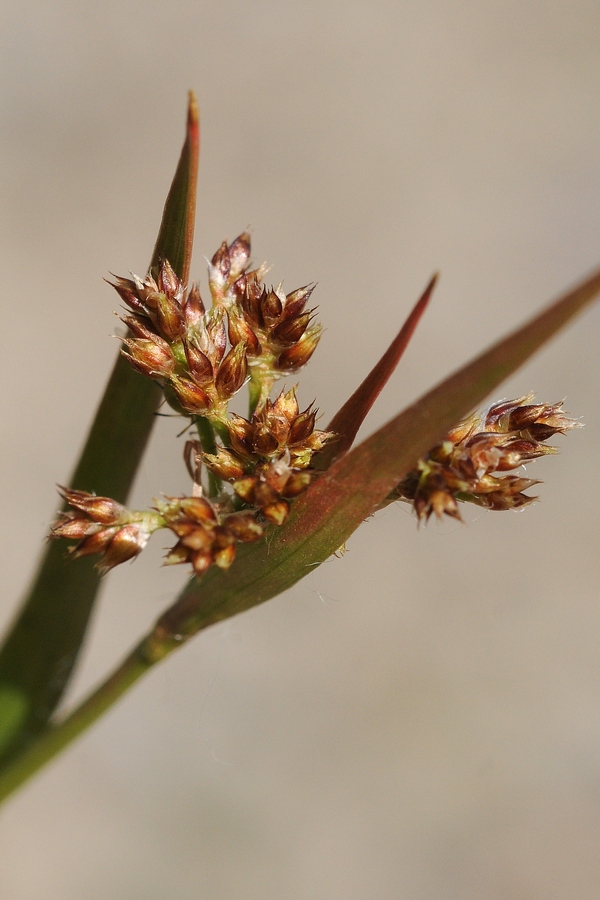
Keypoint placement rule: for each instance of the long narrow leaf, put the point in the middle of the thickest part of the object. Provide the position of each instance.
(336, 504)
(41, 649)
(347, 421)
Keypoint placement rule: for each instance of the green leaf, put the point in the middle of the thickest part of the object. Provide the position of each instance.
(325, 516)
(40, 651)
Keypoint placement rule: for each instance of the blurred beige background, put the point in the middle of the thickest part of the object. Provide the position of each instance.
(420, 719)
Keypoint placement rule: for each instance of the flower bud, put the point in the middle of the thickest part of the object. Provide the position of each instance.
(140, 328)
(223, 558)
(244, 488)
(244, 527)
(286, 406)
(239, 254)
(95, 543)
(217, 338)
(198, 539)
(193, 309)
(73, 527)
(127, 291)
(220, 261)
(201, 561)
(296, 484)
(168, 282)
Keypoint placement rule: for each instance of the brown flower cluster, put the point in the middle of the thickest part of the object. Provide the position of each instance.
(269, 454)
(102, 526)
(469, 465)
(204, 535)
(202, 357)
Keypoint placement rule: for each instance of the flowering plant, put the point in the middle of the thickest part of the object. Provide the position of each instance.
(271, 495)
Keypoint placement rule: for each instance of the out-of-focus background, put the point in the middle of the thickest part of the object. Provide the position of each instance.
(421, 718)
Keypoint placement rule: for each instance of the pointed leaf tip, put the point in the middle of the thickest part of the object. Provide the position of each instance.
(176, 235)
(350, 417)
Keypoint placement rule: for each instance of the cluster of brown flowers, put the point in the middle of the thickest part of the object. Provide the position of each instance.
(202, 358)
(177, 341)
(469, 465)
(102, 526)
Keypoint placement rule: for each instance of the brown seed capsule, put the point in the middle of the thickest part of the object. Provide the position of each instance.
(232, 372)
(73, 527)
(169, 317)
(294, 357)
(271, 308)
(224, 557)
(224, 464)
(104, 510)
(199, 364)
(151, 357)
(291, 330)
(127, 543)
(189, 394)
(240, 332)
(193, 307)
(198, 508)
(167, 281)
(221, 260)
(276, 513)
(244, 527)
(296, 301)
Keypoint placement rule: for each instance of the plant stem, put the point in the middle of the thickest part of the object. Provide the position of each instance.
(55, 737)
(207, 440)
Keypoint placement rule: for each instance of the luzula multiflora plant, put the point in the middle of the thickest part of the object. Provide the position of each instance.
(271, 495)
(255, 335)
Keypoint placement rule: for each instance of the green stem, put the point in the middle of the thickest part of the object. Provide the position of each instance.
(207, 439)
(255, 392)
(55, 737)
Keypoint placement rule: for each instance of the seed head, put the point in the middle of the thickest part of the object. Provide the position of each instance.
(469, 464)
(103, 526)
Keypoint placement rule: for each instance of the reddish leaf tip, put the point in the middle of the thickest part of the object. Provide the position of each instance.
(349, 418)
